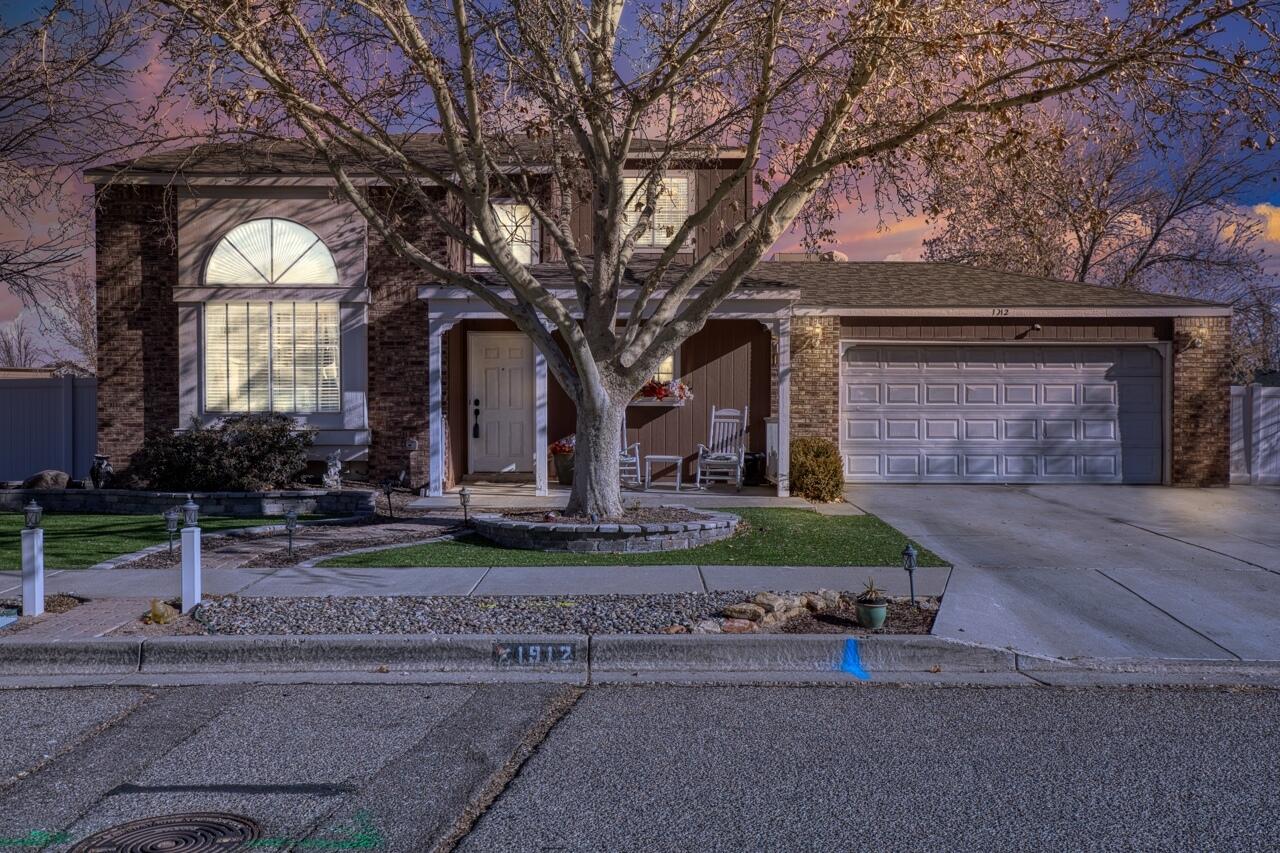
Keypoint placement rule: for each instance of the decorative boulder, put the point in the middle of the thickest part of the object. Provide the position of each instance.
(48, 479)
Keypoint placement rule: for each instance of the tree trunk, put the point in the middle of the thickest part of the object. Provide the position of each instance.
(596, 490)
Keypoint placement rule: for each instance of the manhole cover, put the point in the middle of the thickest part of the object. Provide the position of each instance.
(176, 833)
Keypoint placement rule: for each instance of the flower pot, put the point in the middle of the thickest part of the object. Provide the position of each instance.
(871, 616)
(564, 468)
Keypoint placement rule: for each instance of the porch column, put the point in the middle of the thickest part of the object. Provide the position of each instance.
(784, 407)
(539, 422)
(435, 407)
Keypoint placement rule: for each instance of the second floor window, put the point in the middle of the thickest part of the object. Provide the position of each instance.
(670, 212)
(516, 222)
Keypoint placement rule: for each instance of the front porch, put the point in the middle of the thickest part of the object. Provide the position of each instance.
(741, 360)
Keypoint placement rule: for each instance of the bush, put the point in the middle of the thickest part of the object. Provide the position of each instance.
(817, 472)
(241, 453)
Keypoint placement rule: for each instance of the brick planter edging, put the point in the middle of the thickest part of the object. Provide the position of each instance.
(607, 538)
(236, 504)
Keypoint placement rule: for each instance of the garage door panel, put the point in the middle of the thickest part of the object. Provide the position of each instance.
(993, 414)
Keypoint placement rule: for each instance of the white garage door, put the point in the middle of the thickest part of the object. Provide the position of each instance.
(1001, 414)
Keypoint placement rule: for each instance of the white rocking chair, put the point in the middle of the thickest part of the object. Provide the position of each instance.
(720, 460)
(628, 458)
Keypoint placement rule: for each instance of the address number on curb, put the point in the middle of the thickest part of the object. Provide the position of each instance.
(532, 654)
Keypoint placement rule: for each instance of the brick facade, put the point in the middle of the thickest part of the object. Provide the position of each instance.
(815, 377)
(398, 356)
(137, 269)
(1201, 425)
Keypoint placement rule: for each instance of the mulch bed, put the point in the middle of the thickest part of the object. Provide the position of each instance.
(635, 515)
(901, 618)
(281, 558)
(53, 604)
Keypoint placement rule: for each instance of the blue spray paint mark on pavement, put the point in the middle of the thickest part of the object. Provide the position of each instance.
(852, 662)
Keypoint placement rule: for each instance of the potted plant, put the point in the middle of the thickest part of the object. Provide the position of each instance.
(562, 454)
(871, 605)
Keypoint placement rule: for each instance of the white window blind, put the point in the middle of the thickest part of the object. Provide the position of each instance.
(270, 251)
(666, 369)
(670, 211)
(516, 222)
(265, 356)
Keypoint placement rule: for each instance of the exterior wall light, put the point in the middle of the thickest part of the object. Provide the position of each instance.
(464, 498)
(31, 514)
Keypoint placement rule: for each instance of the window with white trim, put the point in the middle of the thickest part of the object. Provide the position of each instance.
(271, 357)
(666, 369)
(516, 222)
(671, 209)
(271, 251)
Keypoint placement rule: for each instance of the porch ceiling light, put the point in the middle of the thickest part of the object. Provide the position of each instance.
(31, 514)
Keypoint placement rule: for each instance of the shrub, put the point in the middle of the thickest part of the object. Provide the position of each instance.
(817, 472)
(241, 453)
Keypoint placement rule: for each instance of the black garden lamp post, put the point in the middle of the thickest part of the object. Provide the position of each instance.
(171, 517)
(909, 563)
(464, 498)
(290, 525)
(389, 486)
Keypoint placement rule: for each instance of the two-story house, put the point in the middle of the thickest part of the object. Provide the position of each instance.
(231, 278)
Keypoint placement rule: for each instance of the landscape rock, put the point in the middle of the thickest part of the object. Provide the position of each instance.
(745, 610)
(815, 602)
(738, 626)
(707, 626)
(771, 602)
(675, 629)
(830, 596)
(47, 479)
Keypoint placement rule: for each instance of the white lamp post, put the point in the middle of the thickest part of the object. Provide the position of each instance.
(191, 585)
(32, 561)
(291, 524)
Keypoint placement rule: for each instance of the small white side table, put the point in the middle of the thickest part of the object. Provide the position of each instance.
(677, 461)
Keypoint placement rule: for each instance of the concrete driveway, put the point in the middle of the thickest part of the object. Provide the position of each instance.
(1101, 571)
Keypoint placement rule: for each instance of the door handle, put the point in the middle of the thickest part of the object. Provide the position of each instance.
(475, 427)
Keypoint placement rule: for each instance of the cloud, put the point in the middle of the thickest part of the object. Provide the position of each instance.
(1270, 214)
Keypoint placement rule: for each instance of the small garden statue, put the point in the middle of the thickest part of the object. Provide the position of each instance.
(101, 472)
(333, 471)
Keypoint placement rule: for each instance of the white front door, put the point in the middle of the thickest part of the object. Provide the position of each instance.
(500, 402)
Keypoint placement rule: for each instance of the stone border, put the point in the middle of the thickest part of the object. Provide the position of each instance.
(608, 538)
(236, 504)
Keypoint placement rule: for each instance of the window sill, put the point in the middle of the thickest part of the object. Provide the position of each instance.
(653, 402)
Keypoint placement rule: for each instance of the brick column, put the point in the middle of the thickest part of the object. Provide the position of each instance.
(137, 269)
(815, 377)
(1201, 408)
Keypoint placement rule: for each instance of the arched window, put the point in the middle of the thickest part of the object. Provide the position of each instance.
(271, 251)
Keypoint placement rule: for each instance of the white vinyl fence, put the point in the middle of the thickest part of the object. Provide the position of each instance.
(1255, 434)
(47, 423)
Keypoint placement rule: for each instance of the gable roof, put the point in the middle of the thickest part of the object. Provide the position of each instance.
(923, 285)
(298, 159)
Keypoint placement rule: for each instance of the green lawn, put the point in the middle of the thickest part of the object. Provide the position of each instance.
(773, 537)
(76, 540)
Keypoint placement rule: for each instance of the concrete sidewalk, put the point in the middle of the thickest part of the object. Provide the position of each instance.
(482, 580)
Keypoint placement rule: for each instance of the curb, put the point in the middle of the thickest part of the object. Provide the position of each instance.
(606, 658)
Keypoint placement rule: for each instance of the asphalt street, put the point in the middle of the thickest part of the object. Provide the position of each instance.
(548, 768)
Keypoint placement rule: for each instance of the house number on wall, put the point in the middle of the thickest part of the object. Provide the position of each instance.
(532, 654)
(999, 312)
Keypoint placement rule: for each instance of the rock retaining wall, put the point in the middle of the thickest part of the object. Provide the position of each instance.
(606, 538)
(239, 504)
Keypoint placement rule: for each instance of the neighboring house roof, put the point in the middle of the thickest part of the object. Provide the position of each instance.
(52, 371)
(298, 159)
(856, 286)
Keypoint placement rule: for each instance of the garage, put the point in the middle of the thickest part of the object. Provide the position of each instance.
(1001, 413)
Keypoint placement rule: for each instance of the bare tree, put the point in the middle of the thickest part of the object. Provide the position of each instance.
(64, 103)
(551, 101)
(1109, 207)
(17, 347)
